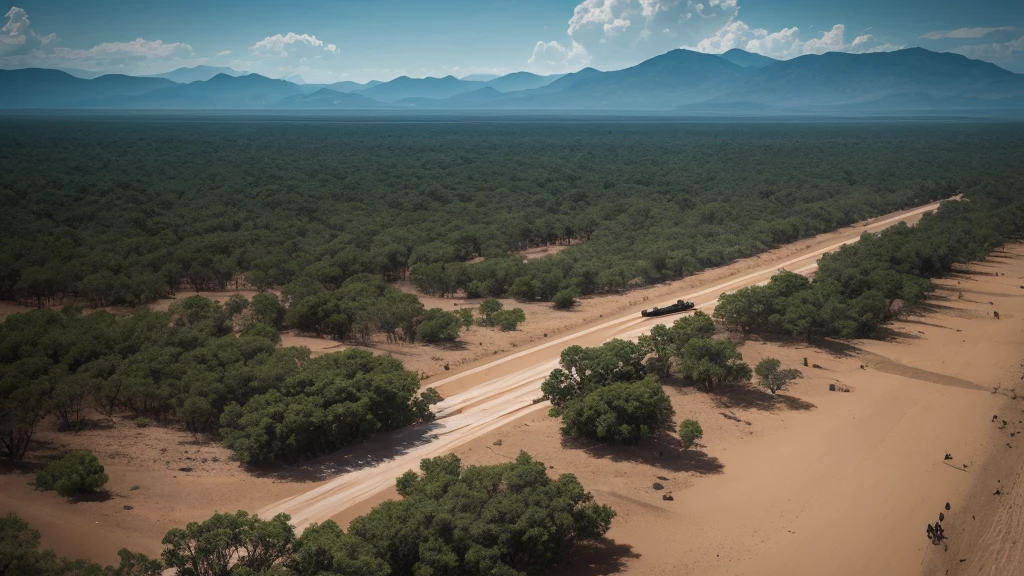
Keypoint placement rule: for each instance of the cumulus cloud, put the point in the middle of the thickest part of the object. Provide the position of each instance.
(280, 44)
(17, 37)
(964, 33)
(21, 46)
(616, 33)
(1009, 55)
(786, 43)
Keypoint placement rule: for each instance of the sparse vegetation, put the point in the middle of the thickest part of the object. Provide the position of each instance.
(77, 473)
(689, 432)
(772, 376)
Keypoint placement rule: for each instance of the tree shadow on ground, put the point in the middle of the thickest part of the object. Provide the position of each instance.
(97, 496)
(664, 451)
(600, 558)
(751, 398)
(923, 323)
(890, 334)
(351, 458)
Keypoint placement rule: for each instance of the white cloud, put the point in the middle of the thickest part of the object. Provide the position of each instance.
(224, 53)
(17, 37)
(1009, 55)
(786, 43)
(553, 58)
(280, 45)
(20, 47)
(964, 33)
(613, 34)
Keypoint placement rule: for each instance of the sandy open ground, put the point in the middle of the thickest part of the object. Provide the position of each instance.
(809, 482)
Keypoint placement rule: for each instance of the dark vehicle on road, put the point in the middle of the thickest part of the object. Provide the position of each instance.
(679, 306)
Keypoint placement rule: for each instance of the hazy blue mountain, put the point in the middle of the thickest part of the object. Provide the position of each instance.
(295, 79)
(327, 99)
(405, 87)
(520, 81)
(84, 74)
(836, 78)
(197, 74)
(222, 92)
(906, 80)
(481, 98)
(42, 88)
(746, 59)
(350, 86)
(480, 77)
(664, 82)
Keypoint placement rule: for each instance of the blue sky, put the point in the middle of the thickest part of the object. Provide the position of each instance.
(331, 40)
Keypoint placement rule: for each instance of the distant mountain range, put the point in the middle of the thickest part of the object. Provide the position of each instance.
(735, 82)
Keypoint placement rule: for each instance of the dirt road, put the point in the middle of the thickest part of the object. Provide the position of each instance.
(494, 394)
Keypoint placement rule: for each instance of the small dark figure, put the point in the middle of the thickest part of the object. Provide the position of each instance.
(805, 358)
(942, 517)
(947, 506)
(831, 387)
(948, 457)
(997, 492)
(446, 366)
(931, 532)
(996, 314)
(965, 466)
(994, 417)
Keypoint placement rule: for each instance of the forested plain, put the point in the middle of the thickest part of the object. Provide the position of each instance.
(116, 211)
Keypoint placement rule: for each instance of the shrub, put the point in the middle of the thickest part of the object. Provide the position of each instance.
(771, 377)
(79, 472)
(506, 519)
(142, 422)
(711, 363)
(438, 325)
(509, 320)
(564, 299)
(622, 413)
(690, 431)
(487, 309)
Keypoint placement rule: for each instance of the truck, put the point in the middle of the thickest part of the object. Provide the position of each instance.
(679, 306)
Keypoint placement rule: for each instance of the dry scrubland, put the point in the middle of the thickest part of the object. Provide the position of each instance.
(810, 481)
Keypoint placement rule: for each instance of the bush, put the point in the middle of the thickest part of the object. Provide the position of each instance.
(771, 377)
(438, 325)
(142, 422)
(79, 472)
(622, 413)
(711, 363)
(228, 540)
(584, 370)
(509, 320)
(564, 299)
(508, 519)
(690, 431)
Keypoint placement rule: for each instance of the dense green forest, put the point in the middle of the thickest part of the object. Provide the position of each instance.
(507, 519)
(861, 286)
(122, 211)
(190, 366)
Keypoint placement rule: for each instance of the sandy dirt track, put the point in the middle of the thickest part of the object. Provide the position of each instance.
(494, 394)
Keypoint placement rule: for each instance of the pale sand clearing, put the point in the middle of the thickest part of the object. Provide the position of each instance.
(815, 482)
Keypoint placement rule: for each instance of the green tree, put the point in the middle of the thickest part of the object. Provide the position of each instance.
(690, 431)
(772, 377)
(78, 472)
(504, 519)
(565, 299)
(711, 363)
(487, 309)
(324, 549)
(586, 369)
(621, 413)
(267, 308)
(438, 325)
(226, 542)
(508, 320)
